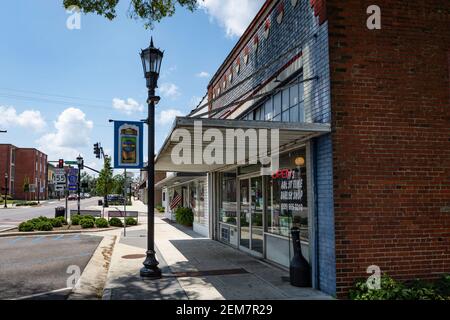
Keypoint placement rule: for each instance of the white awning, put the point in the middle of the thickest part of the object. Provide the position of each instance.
(290, 134)
(178, 178)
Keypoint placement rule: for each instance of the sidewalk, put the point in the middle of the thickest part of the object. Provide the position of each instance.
(194, 268)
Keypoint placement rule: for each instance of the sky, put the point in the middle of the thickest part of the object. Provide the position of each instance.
(60, 86)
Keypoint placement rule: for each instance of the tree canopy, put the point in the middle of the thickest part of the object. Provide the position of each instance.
(149, 11)
(105, 183)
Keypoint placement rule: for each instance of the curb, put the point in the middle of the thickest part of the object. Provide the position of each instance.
(107, 291)
(92, 281)
(41, 233)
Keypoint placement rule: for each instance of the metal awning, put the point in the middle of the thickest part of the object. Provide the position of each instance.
(290, 134)
(177, 178)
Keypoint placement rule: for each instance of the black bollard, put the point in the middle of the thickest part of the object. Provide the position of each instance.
(299, 270)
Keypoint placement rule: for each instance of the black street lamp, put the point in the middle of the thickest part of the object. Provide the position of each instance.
(151, 62)
(80, 166)
(6, 189)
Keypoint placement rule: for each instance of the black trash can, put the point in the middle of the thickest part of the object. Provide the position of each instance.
(100, 202)
(60, 212)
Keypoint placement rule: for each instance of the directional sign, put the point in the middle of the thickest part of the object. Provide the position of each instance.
(71, 162)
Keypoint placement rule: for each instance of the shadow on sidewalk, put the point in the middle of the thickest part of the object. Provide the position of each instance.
(184, 229)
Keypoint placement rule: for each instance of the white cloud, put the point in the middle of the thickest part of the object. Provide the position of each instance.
(30, 119)
(169, 90)
(72, 133)
(203, 74)
(128, 107)
(233, 15)
(167, 116)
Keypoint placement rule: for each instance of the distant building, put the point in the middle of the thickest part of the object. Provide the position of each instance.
(142, 192)
(24, 165)
(52, 194)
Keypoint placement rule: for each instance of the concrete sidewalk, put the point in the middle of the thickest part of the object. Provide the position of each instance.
(194, 268)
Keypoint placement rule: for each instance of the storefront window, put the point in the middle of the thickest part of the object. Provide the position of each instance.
(228, 205)
(287, 196)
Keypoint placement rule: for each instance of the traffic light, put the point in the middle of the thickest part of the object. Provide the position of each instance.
(97, 150)
(61, 163)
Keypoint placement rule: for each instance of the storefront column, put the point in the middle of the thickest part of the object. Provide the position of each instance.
(312, 198)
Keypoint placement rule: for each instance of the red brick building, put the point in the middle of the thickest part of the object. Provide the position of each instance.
(390, 97)
(24, 164)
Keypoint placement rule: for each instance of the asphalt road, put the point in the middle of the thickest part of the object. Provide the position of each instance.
(11, 217)
(40, 266)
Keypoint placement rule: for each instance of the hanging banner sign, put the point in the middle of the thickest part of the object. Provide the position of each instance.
(128, 145)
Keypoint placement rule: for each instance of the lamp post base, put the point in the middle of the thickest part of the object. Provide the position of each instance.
(150, 269)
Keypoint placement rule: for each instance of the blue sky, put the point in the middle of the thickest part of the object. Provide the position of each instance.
(59, 87)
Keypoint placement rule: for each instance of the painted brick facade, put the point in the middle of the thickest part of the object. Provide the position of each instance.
(300, 37)
(391, 138)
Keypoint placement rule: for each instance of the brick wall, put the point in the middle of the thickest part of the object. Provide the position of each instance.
(5, 166)
(391, 138)
(26, 159)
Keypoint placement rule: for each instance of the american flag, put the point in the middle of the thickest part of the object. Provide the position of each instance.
(175, 201)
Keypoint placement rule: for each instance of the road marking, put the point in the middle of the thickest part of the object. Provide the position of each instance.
(75, 237)
(37, 239)
(15, 240)
(41, 294)
(58, 237)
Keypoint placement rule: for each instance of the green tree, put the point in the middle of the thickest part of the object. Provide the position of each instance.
(90, 181)
(118, 184)
(149, 11)
(105, 181)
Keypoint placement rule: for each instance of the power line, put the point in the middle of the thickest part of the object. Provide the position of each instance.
(53, 95)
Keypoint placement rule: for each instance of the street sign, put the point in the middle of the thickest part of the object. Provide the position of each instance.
(59, 177)
(59, 187)
(71, 162)
(73, 179)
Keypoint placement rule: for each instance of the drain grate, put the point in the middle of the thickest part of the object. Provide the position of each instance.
(204, 273)
(134, 256)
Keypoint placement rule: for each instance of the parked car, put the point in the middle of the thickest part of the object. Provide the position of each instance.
(87, 195)
(72, 197)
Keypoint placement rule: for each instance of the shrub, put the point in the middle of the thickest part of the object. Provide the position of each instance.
(115, 222)
(62, 219)
(184, 216)
(160, 209)
(130, 221)
(44, 226)
(76, 220)
(87, 223)
(101, 223)
(26, 226)
(88, 217)
(56, 223)
(393, 290)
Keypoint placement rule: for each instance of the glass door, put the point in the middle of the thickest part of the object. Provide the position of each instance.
(257, 207)
(251, 208)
